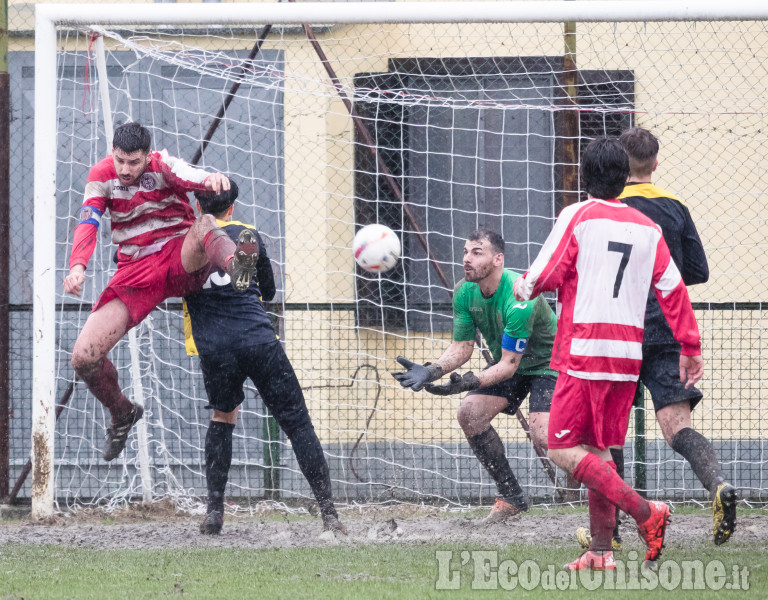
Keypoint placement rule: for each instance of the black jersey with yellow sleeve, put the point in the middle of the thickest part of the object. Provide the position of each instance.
(679, 231)
(217, 318)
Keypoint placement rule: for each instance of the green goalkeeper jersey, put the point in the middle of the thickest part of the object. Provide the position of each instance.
(527, 327)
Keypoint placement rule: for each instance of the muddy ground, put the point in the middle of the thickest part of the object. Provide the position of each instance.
(165, 527)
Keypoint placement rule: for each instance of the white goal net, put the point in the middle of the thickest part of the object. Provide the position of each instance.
(434, 129)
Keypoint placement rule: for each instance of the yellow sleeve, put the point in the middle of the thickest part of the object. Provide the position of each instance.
(189, 341)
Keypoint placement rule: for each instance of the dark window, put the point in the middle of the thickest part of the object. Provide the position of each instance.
(462, 144)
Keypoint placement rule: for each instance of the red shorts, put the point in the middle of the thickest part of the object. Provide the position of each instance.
(591, 412)
(144, 283)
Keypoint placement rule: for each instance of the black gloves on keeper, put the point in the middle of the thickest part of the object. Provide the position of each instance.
(417, 376)
(458, 384)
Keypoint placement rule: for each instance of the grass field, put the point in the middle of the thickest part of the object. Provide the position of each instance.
(51, 565)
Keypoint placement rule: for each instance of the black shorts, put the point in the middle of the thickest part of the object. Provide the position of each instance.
(660, 373)
(517, 387)
(267, 366)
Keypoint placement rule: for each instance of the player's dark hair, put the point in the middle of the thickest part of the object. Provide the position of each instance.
(642, 147)
(216, 204)
(132, 137)
(604, 168)
(497, 242)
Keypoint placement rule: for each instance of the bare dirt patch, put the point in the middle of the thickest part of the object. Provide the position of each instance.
(162, 526)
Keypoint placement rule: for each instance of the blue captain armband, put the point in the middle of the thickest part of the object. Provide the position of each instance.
(513, 344)
(90, 215)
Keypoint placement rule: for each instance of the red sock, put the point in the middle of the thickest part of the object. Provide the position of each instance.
(602, 519)
(104, 385)
(599, 476)
(219, 248)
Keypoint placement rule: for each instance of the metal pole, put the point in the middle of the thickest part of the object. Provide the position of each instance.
(569, 134)
(5, 407)
(44, 271)
(541, 11)
(641, 479)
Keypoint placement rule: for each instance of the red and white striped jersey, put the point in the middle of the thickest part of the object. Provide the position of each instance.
(143, 216)
(602, 257)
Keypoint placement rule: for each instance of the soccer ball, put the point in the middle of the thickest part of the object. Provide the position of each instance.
(376, 248)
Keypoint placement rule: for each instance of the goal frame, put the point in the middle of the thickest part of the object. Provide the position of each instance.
(50, 16)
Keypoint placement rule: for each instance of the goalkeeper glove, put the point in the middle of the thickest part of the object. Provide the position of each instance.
(417, 375)
(459, 383)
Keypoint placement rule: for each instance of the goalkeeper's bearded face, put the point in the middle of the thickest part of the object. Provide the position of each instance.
(130, 167)
(480, 260)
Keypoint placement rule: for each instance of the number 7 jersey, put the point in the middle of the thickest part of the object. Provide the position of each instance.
(602, 257)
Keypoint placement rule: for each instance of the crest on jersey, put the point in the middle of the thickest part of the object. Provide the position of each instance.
(148, 182)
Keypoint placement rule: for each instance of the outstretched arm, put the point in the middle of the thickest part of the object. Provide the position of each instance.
(504, 369)
(416, 375)
(82, 248)
(455, 355)
(180, 174)
(97, 194)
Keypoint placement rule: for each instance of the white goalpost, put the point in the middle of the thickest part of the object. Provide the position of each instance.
(434, 118)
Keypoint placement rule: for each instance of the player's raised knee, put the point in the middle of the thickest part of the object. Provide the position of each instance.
(472, 418)
(464, 415)
(84, 363)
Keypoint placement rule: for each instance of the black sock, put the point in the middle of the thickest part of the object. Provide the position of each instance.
(617, 454)
(489, 450)
(697, 450)
(309, 455)
(218, 459)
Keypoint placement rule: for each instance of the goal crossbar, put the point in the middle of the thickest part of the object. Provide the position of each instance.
(401, 12)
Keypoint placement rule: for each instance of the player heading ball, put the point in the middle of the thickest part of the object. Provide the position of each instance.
(163, 251)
